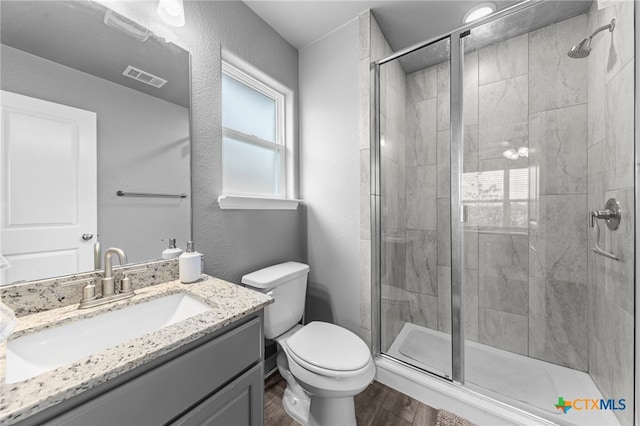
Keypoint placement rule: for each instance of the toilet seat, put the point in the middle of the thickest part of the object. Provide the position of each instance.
(329, 350)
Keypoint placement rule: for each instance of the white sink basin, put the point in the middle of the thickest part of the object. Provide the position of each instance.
(43, 351)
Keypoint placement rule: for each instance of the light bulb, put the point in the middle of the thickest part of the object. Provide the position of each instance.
(478, 12)
(171, 12)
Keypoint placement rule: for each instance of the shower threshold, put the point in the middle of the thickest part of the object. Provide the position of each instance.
(522, 382)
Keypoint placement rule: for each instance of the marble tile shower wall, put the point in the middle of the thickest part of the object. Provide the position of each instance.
(525, 281)
(374, 46)
(610, 136)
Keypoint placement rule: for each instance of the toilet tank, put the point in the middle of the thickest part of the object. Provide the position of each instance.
(287, 284)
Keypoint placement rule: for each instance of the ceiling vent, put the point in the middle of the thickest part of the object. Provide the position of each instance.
(144, 77)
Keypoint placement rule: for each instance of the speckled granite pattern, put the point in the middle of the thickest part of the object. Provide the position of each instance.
(37, 296)
(230, 302)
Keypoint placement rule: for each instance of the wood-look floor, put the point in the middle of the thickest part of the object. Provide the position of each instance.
(375, 406)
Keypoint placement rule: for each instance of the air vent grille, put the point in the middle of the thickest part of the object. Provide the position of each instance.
(144, 77)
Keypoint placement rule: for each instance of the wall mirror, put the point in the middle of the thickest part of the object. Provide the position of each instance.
(92, 104)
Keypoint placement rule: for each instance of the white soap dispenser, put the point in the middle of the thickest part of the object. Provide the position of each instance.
(172, 252)
(190, 264)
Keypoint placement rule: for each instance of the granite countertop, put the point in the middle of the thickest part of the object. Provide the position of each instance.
(230, 302)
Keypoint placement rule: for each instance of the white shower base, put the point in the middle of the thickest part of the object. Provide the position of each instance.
(522, 382)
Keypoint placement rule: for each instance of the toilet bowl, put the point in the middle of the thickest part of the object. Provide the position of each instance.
(324, 365)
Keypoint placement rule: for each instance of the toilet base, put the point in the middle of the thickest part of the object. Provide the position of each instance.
(332, 411)
(296, 407)
(295, 400)
(312, 410)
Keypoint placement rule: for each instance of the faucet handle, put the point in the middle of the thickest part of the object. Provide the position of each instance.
(126, 285)
(89, 291)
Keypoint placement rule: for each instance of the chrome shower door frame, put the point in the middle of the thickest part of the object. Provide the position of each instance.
(456, 58)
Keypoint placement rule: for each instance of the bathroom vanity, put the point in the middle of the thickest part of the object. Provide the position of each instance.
(206, 369)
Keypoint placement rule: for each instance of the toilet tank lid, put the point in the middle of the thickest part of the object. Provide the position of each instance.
(275, 275)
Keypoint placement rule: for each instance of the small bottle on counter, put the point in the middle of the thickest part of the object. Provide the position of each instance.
(172, 252)
(190, 264)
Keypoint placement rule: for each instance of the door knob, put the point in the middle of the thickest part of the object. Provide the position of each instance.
(87, 236)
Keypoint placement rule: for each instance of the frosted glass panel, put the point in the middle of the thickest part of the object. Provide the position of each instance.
(250, 169)
(247, 110)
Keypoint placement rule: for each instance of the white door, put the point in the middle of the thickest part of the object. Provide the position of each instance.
(48, 184)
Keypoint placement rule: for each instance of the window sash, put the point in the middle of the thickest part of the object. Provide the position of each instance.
(280, 143)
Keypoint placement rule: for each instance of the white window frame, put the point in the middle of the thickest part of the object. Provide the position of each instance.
(283, 97)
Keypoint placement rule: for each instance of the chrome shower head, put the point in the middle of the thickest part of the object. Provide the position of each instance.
(582, 49)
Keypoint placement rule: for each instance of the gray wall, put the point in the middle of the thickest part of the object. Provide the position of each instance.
(233, 242)
(140, 138)
(329, 164)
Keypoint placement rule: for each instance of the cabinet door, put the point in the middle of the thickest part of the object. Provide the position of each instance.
(240, 403)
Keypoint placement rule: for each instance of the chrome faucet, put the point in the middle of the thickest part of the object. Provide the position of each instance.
(108, 282)
(112, 286)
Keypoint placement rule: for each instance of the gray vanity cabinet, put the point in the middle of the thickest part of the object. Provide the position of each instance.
(217, 380)
(233, 405)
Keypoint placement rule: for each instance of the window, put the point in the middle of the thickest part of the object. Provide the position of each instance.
(253, 130)
(497, 198)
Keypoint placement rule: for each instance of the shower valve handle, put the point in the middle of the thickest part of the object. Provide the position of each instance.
(611, 214)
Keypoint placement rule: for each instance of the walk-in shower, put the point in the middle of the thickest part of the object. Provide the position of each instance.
(494, 156)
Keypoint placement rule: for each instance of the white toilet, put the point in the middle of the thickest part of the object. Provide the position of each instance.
(325, 365)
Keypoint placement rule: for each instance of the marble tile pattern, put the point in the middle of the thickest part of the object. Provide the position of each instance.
(230, 302)
(504, 102)
(365, 194)
(470, 280)
(444, 231)
(444, 97)
(470, 88)
(503, 271)
(365, 291)
(611, 174)
(619, 130)
(422, 262)
(556, 80)
(596, 75)
(504, 60)
(393, 260)
(37, 296)
(421, 133)
(558, 148)
(421, 208)
(558, 241)
(444, 299)
(443, 165)
(423, 310)
(558, 322)
(503, 330)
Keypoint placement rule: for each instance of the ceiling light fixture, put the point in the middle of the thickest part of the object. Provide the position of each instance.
(172, 12)
(514, 154)
(478, 11)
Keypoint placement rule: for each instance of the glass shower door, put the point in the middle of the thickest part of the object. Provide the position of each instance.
(547, 319)
(415, 212)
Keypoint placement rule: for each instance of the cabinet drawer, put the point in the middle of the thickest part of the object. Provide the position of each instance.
(168, 390)
(240, 403)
